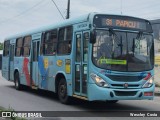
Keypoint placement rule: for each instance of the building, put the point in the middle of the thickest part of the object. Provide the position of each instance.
(156, 30)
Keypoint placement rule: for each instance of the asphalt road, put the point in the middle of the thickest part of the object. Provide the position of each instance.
(32, 100)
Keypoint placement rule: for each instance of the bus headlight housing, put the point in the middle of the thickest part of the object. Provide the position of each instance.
(149, 83)
(99, 81)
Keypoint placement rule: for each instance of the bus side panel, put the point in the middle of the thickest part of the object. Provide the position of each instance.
(66, 70)
(11, 71)
(47, 70)
(5, 67)
(52, 69)
(26, 71)
(21, 63)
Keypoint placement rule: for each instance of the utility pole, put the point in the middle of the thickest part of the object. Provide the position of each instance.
(68, 10)
(121, 7)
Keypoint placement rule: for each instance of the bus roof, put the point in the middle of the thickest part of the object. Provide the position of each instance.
(66, 22)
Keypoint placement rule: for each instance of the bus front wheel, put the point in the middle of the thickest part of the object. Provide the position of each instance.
(62, 92)
(17, 84)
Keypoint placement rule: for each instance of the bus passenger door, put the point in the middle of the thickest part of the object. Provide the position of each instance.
(11, 62)
(34, 63)
(81, 57)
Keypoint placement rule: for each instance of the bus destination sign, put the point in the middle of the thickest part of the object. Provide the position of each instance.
(121, 22)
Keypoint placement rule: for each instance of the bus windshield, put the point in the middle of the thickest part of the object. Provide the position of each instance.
(123, 51)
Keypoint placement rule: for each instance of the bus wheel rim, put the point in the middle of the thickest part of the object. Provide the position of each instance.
(62, 91)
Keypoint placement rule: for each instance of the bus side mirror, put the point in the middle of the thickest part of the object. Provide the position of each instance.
(93, 37)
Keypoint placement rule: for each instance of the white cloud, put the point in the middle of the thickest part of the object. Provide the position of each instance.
(46, 13)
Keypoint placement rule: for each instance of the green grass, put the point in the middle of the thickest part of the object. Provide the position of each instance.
(1, 108)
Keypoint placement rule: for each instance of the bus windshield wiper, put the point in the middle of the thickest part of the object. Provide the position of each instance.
(111, 32)
(139, 35)
(119, 44)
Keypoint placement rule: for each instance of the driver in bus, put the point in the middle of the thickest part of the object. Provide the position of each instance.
(105, 50)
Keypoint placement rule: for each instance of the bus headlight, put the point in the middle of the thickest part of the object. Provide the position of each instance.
(149, 83)
(99, 81)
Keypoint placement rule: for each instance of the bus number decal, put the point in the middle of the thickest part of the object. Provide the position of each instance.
(106, 72)
(82, 26)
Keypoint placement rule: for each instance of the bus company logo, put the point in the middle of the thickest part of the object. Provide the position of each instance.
(125, 85)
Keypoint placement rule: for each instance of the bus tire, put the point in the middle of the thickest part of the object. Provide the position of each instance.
(112, 101)
(62, 91)
(17, 84)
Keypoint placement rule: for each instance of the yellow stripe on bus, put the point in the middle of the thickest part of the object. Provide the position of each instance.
(80, 97)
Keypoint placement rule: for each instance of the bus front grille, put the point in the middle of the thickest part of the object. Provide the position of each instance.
(125, 93)
(122, 85)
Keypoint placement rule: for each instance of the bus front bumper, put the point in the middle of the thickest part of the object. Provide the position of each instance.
(98, 93)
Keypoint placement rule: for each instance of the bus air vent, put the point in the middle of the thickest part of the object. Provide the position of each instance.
(125, 78)
(125, 93)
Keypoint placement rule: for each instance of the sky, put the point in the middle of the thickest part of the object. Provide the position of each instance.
(17, 16)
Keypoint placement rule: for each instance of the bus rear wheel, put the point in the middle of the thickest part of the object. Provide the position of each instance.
(17, 84)
(62, 92)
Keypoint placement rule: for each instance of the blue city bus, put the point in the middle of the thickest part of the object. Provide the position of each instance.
(96, 57)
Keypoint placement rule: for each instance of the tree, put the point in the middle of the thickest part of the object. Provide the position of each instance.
(1, 46)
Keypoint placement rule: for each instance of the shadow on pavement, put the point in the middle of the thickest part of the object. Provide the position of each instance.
(82, 104)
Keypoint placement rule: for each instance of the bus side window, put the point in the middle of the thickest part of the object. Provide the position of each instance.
(78, 48)
(6, 48)
(65, 40)
(12, 53)
(85, 46)
(26, 46)
(19, 43)
(49, 43)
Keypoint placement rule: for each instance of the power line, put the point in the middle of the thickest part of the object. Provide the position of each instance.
(22, 13)
(58, 9)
